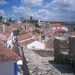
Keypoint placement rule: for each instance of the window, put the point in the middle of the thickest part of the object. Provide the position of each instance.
(33, 47)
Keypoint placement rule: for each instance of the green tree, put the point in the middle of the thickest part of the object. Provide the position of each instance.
(36, 30)
(1, 18)
(17, 32)
(73, 28)
(24, 21)
(36, 25)
(7, 23)
(10, 20)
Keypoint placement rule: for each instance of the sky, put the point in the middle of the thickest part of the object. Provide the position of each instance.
(44, 10)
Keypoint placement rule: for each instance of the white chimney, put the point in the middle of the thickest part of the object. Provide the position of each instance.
(3, 27)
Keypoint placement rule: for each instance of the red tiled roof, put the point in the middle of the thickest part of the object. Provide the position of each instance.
(17, 25)
(4, 33)
(27, 42)
(73, 33)
(24, 36)
(36, 35)
(9, 29)
(3, 39)
(47, 29)
(48, 34)
(7, 54)
(55, 25)
(43, 23)
(59, 30)
(24, 32)
(31, 25)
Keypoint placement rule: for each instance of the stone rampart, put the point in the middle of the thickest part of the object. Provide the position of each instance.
(64, 50)
(44, 53)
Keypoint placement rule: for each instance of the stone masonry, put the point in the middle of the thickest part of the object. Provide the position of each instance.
(60, 49)
(45, 53)
(72, 50)
(36, 65)
(64, 52)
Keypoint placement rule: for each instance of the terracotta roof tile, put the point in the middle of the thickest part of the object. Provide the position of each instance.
(73, 33)
(4, 33)
(59, 30)
(17, 25)
(47, 29)
(9, 29)
(30, 25)
(3, 38)
(36, 35)
(48, 34)
(55, 24)
(7, 54)
(43, 23)
(27, 42)
(24, 32)
(24, 36)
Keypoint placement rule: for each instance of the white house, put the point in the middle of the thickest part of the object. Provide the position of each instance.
(4, 20)
(56, 26)
(36, 45)
(30, 27)
(3, 37)
(8, 61)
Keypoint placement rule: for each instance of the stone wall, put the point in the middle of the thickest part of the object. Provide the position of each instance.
(44, 53)
(72, 50)
(60, 45)
(64, 52)
(33, 64)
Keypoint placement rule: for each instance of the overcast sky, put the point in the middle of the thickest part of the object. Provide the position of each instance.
(49, 10)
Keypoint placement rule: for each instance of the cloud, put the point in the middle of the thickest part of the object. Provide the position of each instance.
(56, 10)
(61, 5)
(2, 2)
(2, 12)
(63, 9)
(22, 11)
(41, 14)
(29, 3)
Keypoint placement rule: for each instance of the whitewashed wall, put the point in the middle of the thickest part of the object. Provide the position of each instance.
(65, 28)
(7, 69)
(36, 45)
(30, 28)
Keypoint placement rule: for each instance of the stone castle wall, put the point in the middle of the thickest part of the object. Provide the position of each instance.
(44, 53)
(64, 50)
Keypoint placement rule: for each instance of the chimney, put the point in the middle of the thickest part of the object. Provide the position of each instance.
(3, 27)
